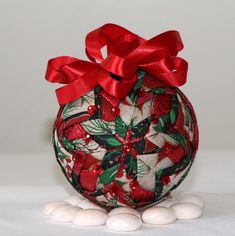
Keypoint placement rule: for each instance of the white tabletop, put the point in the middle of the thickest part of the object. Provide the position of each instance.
(21, 215)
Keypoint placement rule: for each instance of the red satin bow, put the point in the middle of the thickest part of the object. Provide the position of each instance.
(126, 53)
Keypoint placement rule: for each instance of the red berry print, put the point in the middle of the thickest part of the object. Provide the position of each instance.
(92, 110)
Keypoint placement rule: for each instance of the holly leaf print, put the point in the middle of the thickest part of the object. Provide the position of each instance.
(140, 75)
(107, 141)
(160, 125)
(133, 95)
(109, 175)
(173, 116)
(98, 127)
(158, 91)
(69, 146)
(188, 117)
(79, 105)
(60, 154)
(179, 138)
(71, 108)
(131, 163)
(142, 169)
(174, 110)
(120, 127)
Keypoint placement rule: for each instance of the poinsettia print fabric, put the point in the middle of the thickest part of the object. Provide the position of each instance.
(129, 152)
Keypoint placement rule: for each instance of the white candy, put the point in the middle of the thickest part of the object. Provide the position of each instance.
(64, 214)
(73, 200)
(48, 208)
(121, 210)
(86, 204)
(192, 198)
(85, 213)
(186, 211)
(123, 222)
(89, 217)
(158, 215)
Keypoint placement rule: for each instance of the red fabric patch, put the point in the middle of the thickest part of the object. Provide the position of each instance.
(149, 146)
(61, 124)
(88, 180)
(78, 164)
(109, 98)
(138, 194)
(96, 168)
(75, 131)
(151, 82)
(162, 105)
(89, 160)
(174, 152)
(106, 109)
(115, 190)
(144, 99)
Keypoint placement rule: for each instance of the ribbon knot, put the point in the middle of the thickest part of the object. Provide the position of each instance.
(126, 53)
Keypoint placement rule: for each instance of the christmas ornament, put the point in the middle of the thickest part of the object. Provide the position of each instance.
(125, 135)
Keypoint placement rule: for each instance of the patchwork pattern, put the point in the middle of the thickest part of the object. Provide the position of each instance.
(129, 152)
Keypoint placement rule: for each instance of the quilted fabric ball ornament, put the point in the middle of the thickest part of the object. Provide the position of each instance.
(125, 135)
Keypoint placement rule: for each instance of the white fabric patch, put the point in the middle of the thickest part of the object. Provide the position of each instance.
(145, 176)
(175, 178)
(164, 163)
(149, 159)
(126, 187)
(159, 138)
(79, 105)
(98, 127)
(92, 148)
(126, 113)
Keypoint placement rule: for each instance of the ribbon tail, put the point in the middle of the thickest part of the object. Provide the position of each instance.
(54, 69)
(76, 88)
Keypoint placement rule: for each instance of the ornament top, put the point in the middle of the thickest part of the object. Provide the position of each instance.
(127, 53)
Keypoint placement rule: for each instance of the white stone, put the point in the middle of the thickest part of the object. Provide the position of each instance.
(64, 214)
(74, 200)
(86, 204)
(192, 198)
(89, 217)
(186, 211)
(158, 215)
(48, 208)
(123, 222)
(121, 210)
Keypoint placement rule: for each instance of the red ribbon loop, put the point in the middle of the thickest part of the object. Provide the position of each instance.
(126, 53)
